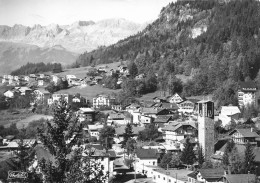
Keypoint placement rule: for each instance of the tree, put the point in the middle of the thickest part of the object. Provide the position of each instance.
(174, 84)
(175, 162)
(165, 161)
(230, 145)
(130, 146)
(149, 133)
(106, 135)
(188, 156)
(60, 137)
(127, 135)
(249, 159)
(201, 159)
(235, 162)
(132, 68)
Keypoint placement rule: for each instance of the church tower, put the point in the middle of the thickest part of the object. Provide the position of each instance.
(206, 127)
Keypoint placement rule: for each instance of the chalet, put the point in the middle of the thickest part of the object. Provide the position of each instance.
(140, 76)
(206, 175)
(97, 79)
(26, 78)
(122, 69)
(42, 96)
(4, 80)
(188, 106)
(229, 113)
(55, 79)
(176, 98)
(74, 82)
(10, 93)
(86, 114)
(117, 119)
(93, 130)
(247, 93)
(56, 97)
(242, 136)
(165, 105)
(145, 157)
(158, 99)
(10, 77)
(103, 101)
(177, 131)
(162, 120)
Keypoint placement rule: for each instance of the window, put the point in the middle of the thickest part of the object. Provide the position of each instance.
(163, 178)
(158, 176)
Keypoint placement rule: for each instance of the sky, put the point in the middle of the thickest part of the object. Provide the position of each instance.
(64, 12)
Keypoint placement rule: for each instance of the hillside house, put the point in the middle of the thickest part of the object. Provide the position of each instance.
(117, 119)
(145, 157)
(24, 90)
(188, 106)
(176, 98)
(42, 96)
(103, 101)
(177, 131)
(86, 114)
(55, 79)
(247, 93)
(93, 130)
(134, 109)
(242, 136)
(26, 78)
(10, 93)
(58, 96)
(162, 120)
(16, 78)
(229, 113)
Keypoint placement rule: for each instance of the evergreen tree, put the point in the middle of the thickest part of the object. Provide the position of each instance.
(188, 156)
(130, 146)
(249, 159)
(127, 135)
(106, 135)
(60, 137)
(165, 161)
(132, 68)
(201, 159)
(230, 145)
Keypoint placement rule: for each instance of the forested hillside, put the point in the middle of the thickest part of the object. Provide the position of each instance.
(216, 43)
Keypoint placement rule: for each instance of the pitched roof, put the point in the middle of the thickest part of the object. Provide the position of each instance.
(162, 119)
(116, 115)
(149, 110)
(173, 126)
(120, 130)
(240, 178)
(230, 110)
(215, 173)
(146, 153)
(247, 85)
(245, 132)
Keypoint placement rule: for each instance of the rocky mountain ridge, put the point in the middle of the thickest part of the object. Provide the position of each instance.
(78, 37)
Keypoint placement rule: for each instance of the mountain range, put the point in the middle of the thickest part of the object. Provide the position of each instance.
(78, 37)
(58, 43)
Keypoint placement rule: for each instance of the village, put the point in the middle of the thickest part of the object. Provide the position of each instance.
(177, 120)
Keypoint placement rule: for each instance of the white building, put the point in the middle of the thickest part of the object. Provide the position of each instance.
(103, 101)
(145, 157)
(170, 176)
(246, 93)
(9, 94)
(176, 98)
(229, 113)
